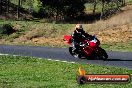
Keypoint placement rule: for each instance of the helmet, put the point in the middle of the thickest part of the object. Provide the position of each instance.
(78, 26)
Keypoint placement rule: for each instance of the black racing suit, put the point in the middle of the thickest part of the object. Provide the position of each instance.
(77, 37)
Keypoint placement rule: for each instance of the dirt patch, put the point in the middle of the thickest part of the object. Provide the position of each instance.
(128, 7)
(48, 41)
(117, 34)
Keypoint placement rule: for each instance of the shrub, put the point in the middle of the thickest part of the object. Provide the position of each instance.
(6, 29)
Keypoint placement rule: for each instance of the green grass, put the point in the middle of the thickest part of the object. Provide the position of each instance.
(121, 46)
(129, 1)
(27, 72)
(89, 8)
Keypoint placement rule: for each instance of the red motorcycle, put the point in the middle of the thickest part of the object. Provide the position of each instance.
(89, 48)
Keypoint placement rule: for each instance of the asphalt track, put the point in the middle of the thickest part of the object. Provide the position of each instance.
(117, 59)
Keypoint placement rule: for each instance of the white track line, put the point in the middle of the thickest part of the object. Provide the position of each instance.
(42, 58)
(4, 54)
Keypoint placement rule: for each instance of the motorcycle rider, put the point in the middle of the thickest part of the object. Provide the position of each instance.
(78, 35)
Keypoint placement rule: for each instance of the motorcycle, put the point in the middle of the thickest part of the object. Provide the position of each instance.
(89, 48)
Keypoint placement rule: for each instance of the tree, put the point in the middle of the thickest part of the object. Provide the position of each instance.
(18, 9)
(37, 9)
(0, 6)
(8, 4)
(61, 9)
(37, 6)
(95, 3)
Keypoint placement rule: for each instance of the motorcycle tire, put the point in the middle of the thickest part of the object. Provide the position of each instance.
(103, 54)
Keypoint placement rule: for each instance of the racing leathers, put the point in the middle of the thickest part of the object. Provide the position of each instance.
(77, 37)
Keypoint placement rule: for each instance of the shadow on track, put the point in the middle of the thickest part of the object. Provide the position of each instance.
(117, 60)
(110, 59)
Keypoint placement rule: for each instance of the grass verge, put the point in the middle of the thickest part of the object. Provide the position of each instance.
(120, 46)
(28, 72)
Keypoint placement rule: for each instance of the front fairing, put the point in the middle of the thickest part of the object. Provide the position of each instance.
(92, 45)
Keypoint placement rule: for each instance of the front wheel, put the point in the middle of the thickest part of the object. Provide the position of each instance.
(103, 54)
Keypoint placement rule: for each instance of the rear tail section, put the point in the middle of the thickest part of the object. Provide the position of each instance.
(67, 38)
